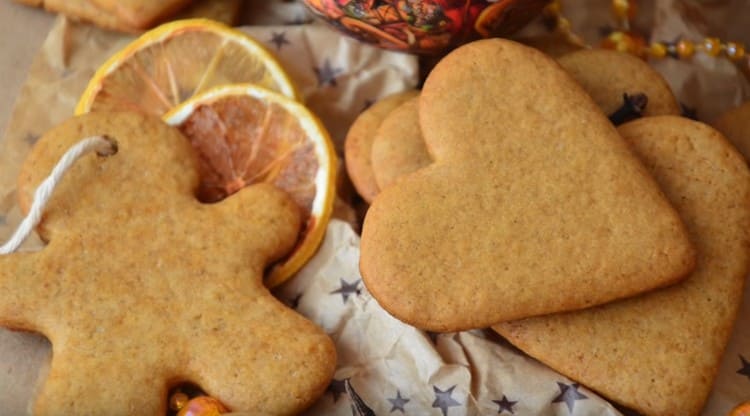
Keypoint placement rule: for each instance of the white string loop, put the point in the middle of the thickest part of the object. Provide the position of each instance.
(103, 145)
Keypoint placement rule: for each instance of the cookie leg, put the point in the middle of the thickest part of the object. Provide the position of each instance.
(285, 375)
(20, 294)
(68, 389)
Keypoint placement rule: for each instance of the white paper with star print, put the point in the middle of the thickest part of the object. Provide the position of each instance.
(393, 368)
(385, 367)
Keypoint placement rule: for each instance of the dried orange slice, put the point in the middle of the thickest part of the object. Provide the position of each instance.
(245, 134)
(171, 63)
(741, 410)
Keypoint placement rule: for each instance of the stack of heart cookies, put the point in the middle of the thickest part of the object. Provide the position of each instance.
(504, 196)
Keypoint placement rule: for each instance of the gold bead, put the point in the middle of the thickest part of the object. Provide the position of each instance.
(621, 8)
(657, 50)
(563, 24)
(178, 401)
(711, 46)
(685, 49)
(553, 8)
(734, 50)
(625, 9)
(203, 406)
(625, 42)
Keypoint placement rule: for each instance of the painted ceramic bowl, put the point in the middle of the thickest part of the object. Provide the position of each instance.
(426, 26)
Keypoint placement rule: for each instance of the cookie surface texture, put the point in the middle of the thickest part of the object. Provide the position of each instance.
(358, 143)
(552, 44)
(658, 353)
(141, 14)
(398, 147)
(225, 11)
(87, 11)
(141, 286)
(735, 125)
(534, 203)
(606, 75)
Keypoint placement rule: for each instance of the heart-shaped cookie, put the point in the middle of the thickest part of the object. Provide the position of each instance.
(607, 76)
(534, 203)
(735, 125)
(398, 147)
(358, 143)
(658, 353)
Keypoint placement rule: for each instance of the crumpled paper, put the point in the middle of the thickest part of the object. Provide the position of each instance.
(384, 366)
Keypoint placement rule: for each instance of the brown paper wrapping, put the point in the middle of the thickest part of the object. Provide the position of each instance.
(389, 367)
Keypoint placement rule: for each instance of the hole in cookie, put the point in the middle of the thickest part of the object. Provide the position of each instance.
(190, 399)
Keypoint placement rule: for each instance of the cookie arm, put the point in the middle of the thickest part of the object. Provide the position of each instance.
(19, 302)
(259, 219)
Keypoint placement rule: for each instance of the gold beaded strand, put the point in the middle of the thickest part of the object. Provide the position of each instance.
(554, 18)
(624, 40)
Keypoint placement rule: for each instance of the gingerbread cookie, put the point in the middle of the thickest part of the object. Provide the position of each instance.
(141, 287)
(141, 14)
(658, 353)
(553, 44)
(225, 11)
(611, 77)
(84, 10)
(534, 203)
(735, 125)
(358, 143)
(398, 147)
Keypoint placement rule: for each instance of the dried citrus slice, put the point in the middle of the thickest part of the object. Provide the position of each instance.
(245, 134)
(741, 410)
(173, 62)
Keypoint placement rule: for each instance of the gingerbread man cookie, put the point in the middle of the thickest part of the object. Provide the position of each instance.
(141, 287)
(534, 203)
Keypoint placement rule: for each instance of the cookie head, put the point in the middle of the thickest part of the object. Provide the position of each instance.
(533, 204)
(141, 287)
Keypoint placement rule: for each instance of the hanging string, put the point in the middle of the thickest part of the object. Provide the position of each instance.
(103, 145)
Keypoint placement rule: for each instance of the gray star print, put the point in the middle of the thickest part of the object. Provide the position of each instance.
(398, 402)
(279, 39)
(568, 395)
(327, 74)
(745, 370)
(443, 399)
(505, 405)
(347, 289)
